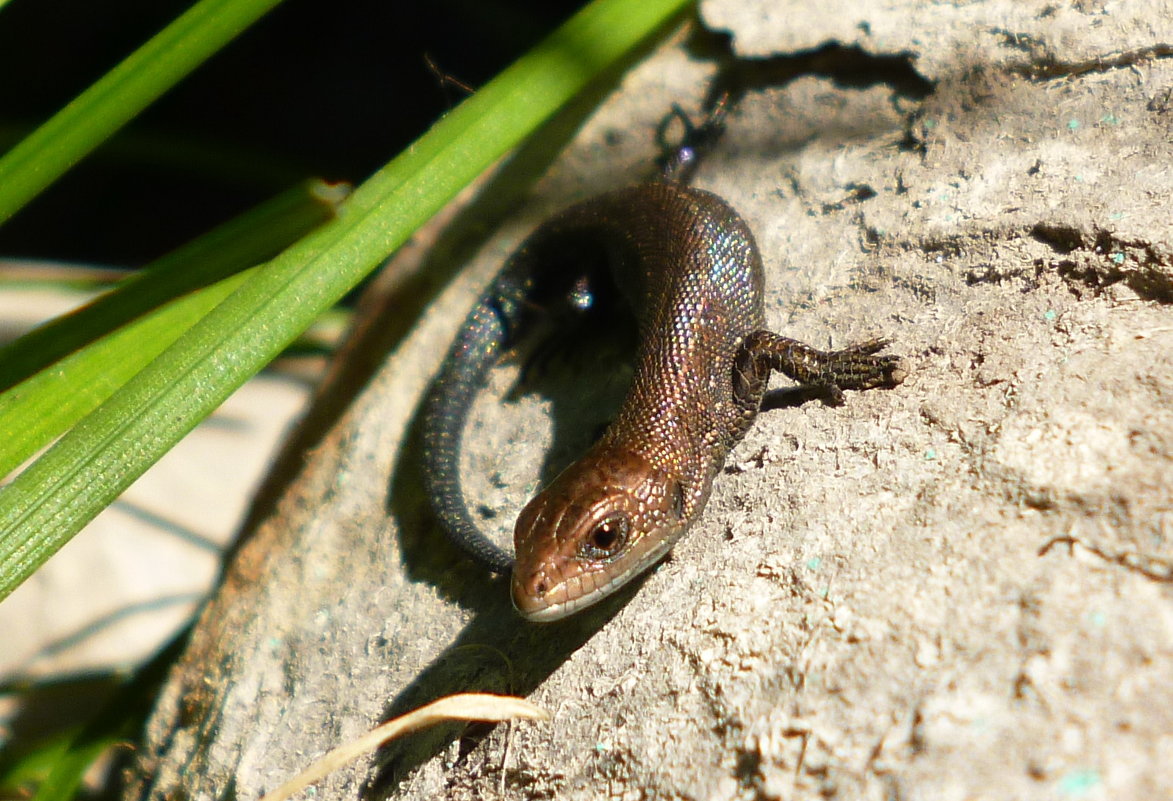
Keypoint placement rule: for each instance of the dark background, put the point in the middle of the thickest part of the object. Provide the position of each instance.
(314, 89)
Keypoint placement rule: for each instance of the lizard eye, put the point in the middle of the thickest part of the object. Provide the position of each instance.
(606, 539)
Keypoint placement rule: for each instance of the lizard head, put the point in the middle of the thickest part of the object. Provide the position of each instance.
(599, 524)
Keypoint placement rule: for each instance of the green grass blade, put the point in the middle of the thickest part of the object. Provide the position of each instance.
(33, 413)
(246, 241)
(26, 769)
(44, 506)
(120, 95)
(37, 411)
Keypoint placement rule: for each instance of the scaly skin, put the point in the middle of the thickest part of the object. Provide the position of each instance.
(688, 264)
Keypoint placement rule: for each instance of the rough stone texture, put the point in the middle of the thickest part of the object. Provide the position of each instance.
(958, 589)
(945, 35)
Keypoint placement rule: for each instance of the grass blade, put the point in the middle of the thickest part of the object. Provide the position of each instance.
(244, 242)
(40, 408)
(120, 95)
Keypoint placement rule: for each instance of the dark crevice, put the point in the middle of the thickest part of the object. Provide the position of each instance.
(1086, 259)
(856, 194)
(848, 67)
(1098, 260)
(1044, 66)
(1063, 239)
(989, 274)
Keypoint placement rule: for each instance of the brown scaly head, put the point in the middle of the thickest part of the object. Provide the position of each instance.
(602, 522)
